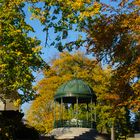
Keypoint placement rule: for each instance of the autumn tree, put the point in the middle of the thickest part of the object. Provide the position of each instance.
(115, 36)
(19, 53)
(67, 67)
(111, 33)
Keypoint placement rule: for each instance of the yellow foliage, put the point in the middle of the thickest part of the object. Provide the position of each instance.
(136, 2)
(91, 11)
(17, 102)
(37, 49)
(63, 69)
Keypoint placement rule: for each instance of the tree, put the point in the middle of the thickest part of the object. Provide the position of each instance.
(67, 67)
(112, 35)
(63, 16)
(19, 53)
(115, 36)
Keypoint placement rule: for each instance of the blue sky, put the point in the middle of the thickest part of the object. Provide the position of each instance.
(47, 52)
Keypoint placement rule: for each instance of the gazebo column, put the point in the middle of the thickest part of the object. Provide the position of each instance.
(77, 110)
(72, 110)
(54, 114)
(91, 113)
(95, 117)
(61, 111)
(59, 121)
(87, 115)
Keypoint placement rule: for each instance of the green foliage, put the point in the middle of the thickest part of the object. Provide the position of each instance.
(19, 53)
(62, 17)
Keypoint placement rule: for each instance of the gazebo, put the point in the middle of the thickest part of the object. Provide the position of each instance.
(71, 94)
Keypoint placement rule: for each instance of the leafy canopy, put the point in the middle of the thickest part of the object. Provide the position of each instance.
(111, 33)
(19, 53)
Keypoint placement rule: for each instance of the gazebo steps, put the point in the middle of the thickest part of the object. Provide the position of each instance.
(74, 133)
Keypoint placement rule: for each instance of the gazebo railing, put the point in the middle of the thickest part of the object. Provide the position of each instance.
(74, 123)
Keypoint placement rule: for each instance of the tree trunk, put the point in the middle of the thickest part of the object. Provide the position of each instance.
(112, 132)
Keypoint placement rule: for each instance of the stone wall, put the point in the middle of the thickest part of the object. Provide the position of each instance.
(8, 105)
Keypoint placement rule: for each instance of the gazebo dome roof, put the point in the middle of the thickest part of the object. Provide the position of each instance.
(73, 89)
